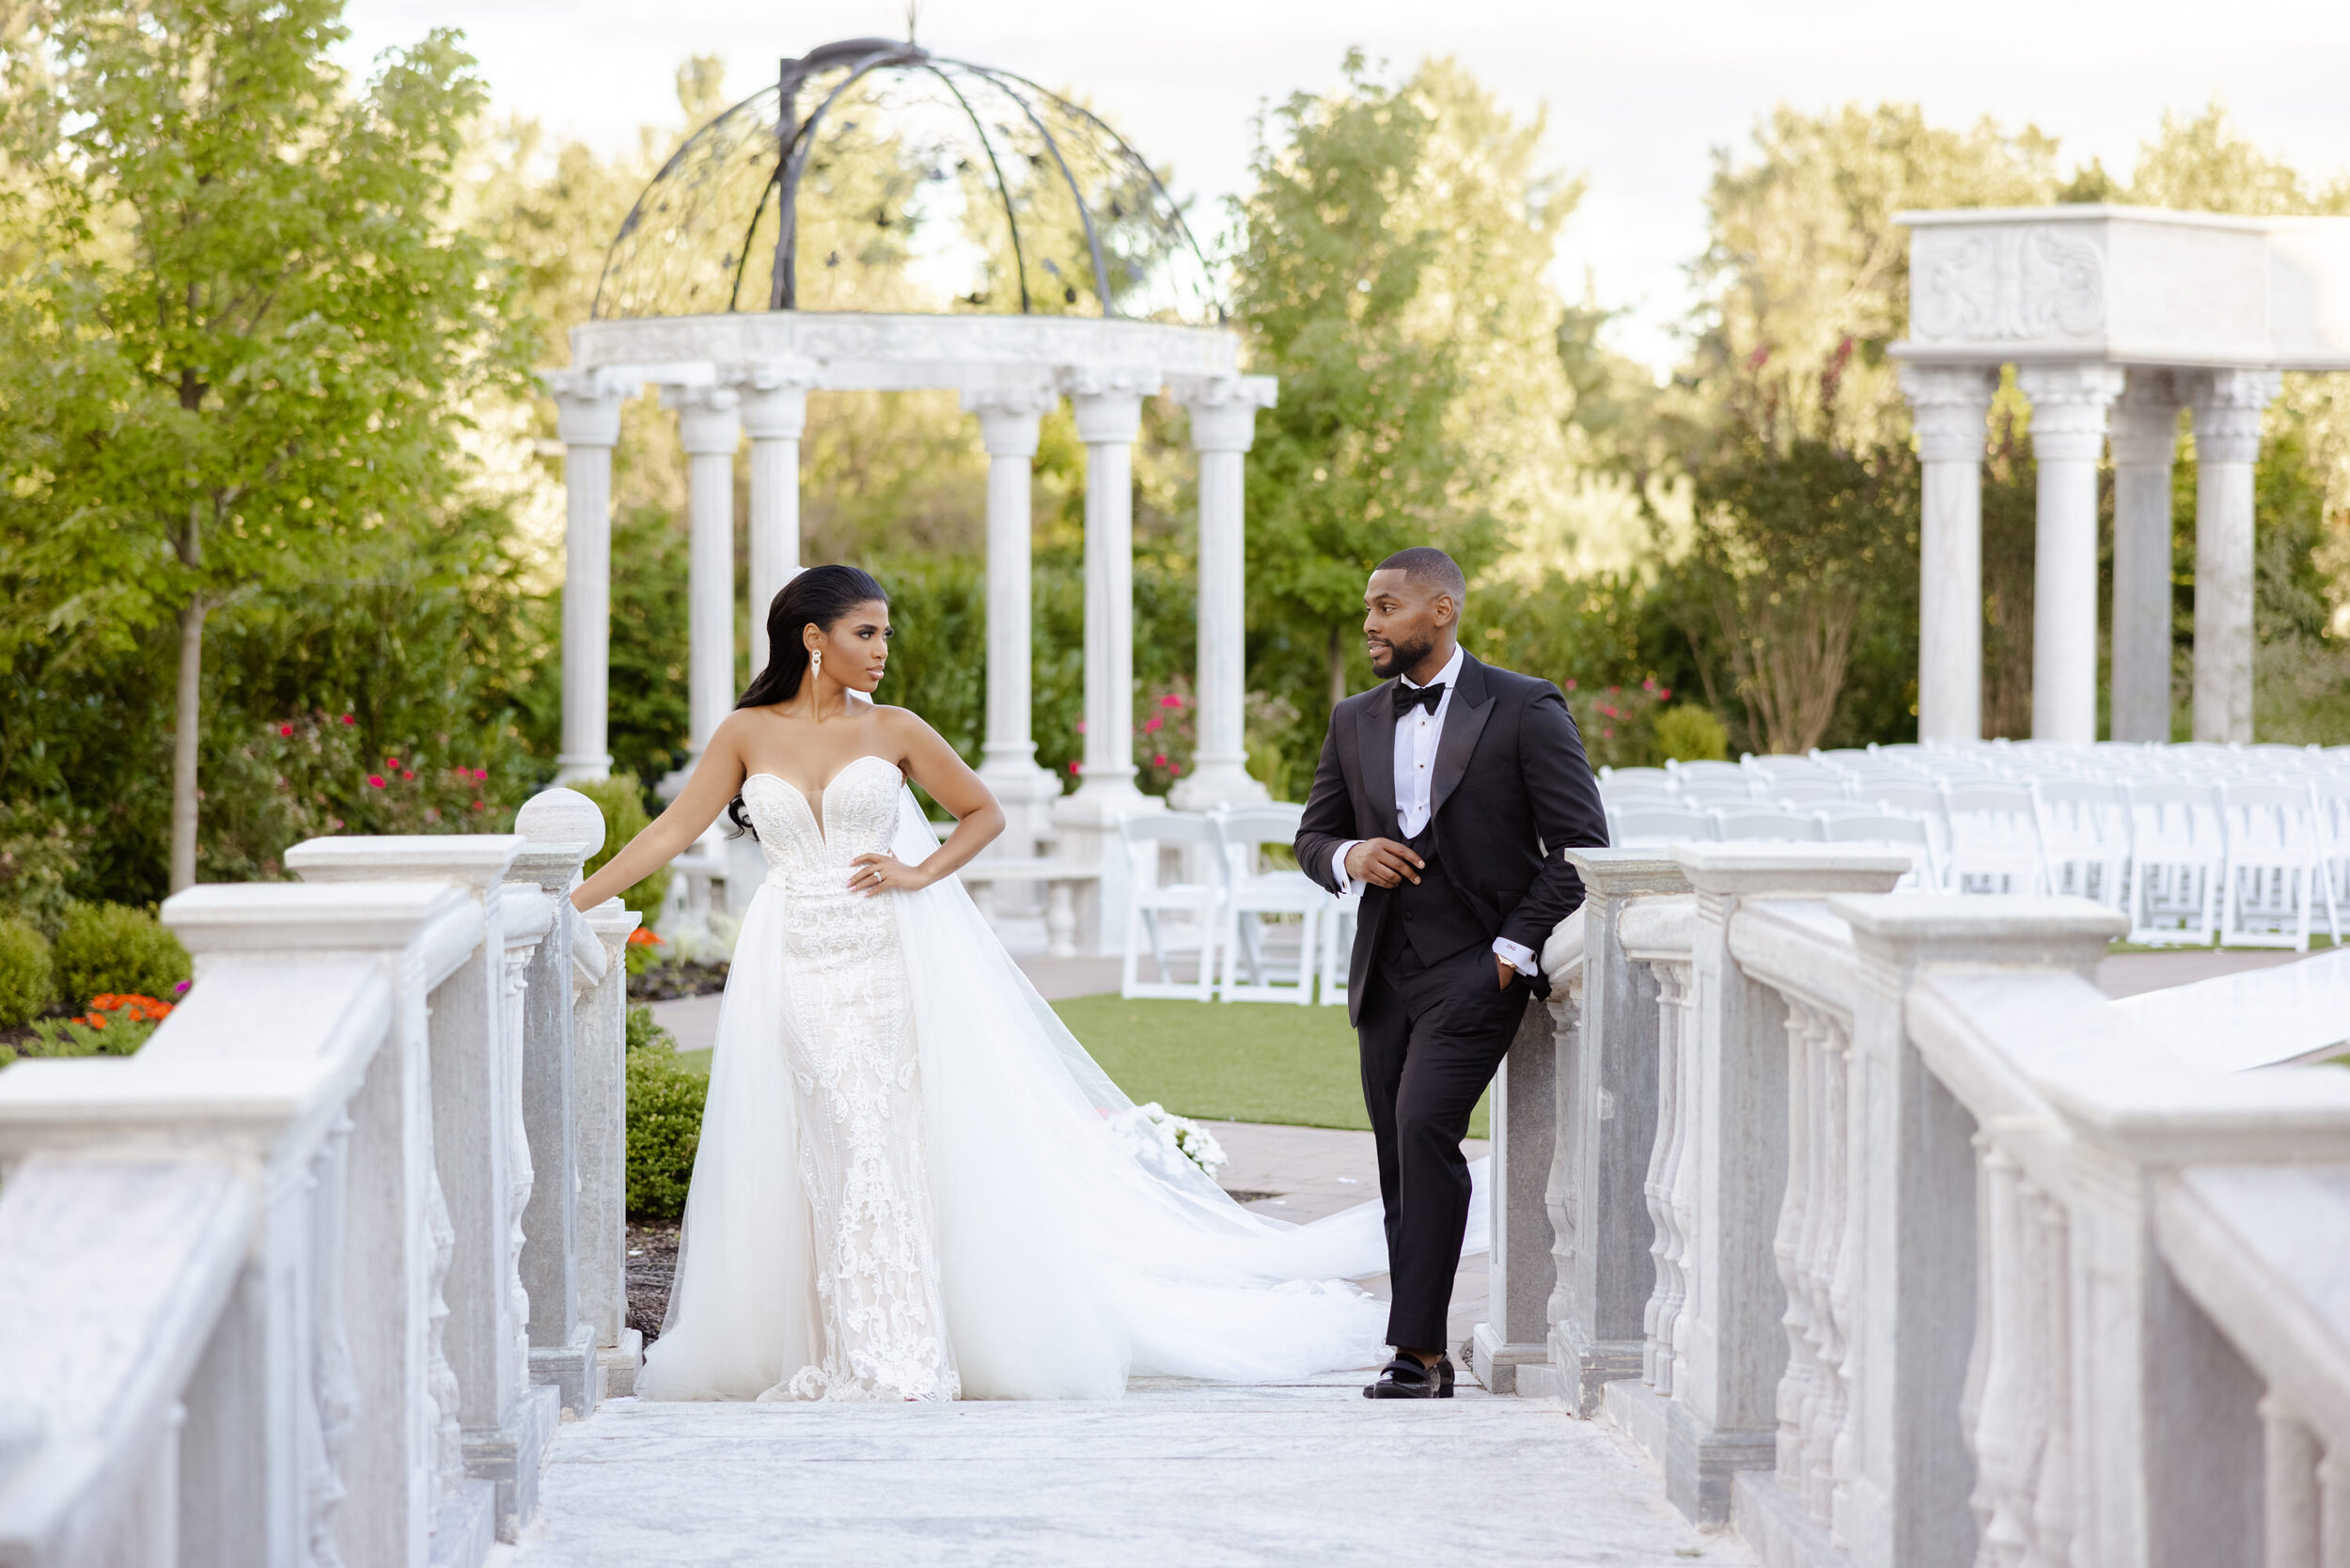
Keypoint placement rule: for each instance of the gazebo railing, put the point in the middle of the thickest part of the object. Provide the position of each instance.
(1945, 1257)
(311, 1277)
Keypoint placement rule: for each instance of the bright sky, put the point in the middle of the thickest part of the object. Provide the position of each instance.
(1639, 95)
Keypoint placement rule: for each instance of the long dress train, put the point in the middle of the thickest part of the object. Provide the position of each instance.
(913, 1183)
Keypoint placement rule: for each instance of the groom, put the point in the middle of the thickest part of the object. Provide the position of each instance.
(1444, 795)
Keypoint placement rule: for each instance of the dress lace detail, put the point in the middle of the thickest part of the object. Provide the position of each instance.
(851, 1048)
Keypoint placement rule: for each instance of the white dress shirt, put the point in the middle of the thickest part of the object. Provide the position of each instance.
(1415, 737)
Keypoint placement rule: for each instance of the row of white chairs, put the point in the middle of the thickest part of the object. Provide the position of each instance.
(2251, 858)
(1259, 930)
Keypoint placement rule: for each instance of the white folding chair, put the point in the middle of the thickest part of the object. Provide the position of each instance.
(1337, 947)
(1909, 835)
(2275, 867)
(2333, 828)
(1995, 838)
(2086, 829)
(1173, 917)
(1653, 826)
(1611, 778)
(1804, 794)
(1766, 823)
(2178, 857)
(1686, 774)
(1256, 890)
(1706, 793)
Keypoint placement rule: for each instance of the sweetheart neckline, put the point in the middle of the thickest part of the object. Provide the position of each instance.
(815, 817)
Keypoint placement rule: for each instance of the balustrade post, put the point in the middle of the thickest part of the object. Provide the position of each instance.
(1903, 1478)
(504, 1432)
(600, 1029)
(561, 829)
(1608, 1114)
(1519, 1188)
(1728, 1341)
(354, 1442)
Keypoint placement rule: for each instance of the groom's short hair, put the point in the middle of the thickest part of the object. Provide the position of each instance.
(1430, 566)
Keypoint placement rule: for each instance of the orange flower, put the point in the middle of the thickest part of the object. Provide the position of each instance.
(642, 938)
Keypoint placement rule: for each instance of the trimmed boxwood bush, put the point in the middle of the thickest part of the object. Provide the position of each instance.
(665, 1120)
(27, 978)
(113, 947)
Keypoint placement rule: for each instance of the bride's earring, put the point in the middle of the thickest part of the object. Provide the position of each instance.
(815, 668)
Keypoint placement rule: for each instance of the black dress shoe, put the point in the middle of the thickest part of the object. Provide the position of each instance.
(1405, 1378)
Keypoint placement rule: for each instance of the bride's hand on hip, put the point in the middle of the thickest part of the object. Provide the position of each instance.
(873, 871)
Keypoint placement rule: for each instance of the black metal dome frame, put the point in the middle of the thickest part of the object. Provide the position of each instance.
(795, 135)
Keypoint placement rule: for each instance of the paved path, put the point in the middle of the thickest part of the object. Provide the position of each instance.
(1176, 1473)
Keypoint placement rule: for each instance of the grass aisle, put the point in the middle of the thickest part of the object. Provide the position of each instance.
(1245, 1061)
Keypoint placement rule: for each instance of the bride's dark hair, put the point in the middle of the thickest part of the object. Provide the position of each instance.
(818, 597)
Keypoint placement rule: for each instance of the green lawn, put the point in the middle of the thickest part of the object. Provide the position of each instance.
(1246, 1061)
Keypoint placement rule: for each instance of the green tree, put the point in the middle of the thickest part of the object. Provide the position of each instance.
(1390, 272)
(277, 330)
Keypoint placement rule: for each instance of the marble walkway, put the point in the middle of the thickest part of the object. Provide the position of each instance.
(1209, 1477)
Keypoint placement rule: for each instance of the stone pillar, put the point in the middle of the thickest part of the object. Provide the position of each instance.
(2068, 434)
(588, 418)
(562, 828)
(1223, 427)
(710, 427)
(1610, 1122)
(1523, 1272)
(775, 415)
(472, 1051)
(1725, 1399)
(1947, 405)
(2145, 435)
(600, 1032)
(1009, 418)
(1109, 418)
(2228, 406)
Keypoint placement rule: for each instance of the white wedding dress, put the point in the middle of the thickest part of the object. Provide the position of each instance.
(912, 1183)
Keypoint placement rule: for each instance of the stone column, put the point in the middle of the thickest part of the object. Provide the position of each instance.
(588, 418)
(1009, 418)
(775, 415)
(1223, 427)
(2145, 435)
(1109, 418)
(710, 427)
(2228, 406)
(1610, 1122)
(1108, 406)
(2068, 434)
(599, 1033)
(1947, 405)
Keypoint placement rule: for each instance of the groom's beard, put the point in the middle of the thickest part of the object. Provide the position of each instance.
(1397, 657)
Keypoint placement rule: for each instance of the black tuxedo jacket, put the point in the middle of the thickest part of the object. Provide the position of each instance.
(1511, 791)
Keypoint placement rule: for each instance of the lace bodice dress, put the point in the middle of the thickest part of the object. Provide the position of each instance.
(849, 1043)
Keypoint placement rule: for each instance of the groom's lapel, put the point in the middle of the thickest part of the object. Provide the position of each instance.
(1472, 705)
(1376, 730)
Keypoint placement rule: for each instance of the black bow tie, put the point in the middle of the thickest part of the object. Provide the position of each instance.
(1409, 698)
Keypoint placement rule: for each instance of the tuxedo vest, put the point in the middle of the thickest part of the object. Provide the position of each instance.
(1429, 917)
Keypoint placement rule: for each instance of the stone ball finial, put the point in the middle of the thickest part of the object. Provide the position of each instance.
(560, 816)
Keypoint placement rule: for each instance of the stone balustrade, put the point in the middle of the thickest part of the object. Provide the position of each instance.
(317, 1271)
(1940, 1256)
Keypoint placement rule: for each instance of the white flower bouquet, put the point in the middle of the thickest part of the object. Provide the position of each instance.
(1158, 1137)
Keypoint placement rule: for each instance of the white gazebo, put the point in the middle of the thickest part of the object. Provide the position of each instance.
(2115, 318)
(886, 220)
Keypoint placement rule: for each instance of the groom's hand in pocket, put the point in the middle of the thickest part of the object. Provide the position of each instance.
(1383, 863)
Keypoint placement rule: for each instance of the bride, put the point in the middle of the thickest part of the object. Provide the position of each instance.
(912, 1183)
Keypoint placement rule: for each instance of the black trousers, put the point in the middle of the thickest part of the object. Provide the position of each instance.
(1432, 1037)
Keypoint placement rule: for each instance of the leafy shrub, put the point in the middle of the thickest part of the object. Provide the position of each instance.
(665, 1120)
(1618, 723)
(27, 978)
(40, 855)
(1691, 734)
(112, 948)
(621, 800)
